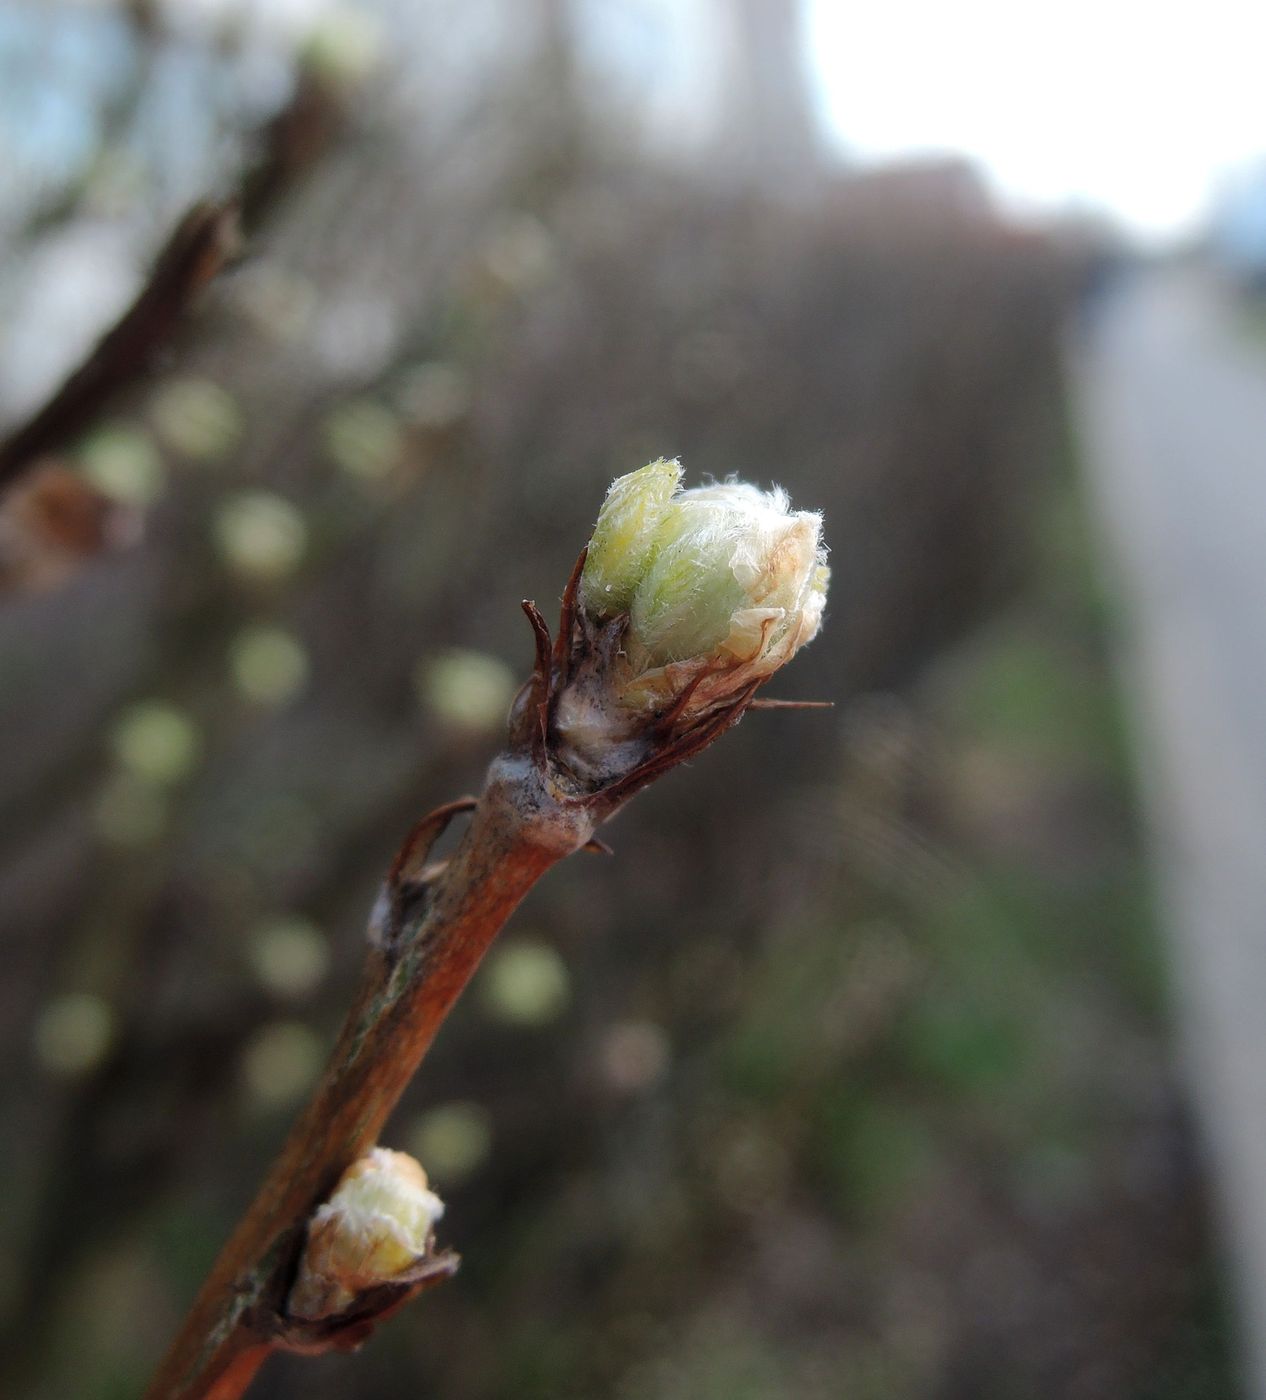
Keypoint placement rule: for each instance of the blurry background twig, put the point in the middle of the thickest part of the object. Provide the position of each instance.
(59, 519)
(204, 240)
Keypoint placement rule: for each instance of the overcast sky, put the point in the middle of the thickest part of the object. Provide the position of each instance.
(1134, 108)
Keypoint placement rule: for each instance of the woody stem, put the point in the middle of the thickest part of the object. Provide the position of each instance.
(517, 832)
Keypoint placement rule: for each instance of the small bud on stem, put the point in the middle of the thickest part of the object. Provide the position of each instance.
(373, 1230)
(686, 603)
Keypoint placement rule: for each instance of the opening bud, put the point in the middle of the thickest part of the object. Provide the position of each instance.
(688, 600)
(736, 578)
(374, 1229)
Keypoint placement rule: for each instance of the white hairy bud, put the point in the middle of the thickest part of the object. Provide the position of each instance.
(712, 590)
(375, 1227)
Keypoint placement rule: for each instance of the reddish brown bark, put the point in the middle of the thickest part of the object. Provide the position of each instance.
(427, 938)
(409, 985)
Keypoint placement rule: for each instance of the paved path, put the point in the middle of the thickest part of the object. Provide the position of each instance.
(1172, 407)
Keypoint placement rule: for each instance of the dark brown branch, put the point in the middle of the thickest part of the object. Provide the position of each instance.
(204, 240)
(291, 144)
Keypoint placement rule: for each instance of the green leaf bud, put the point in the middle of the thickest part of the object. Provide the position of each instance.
(626, 538)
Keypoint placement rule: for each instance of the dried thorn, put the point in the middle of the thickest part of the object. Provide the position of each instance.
(598, 847)
(432, 1268)
(411, 858)
(792, 705)
(409, 872)
(567, 619)
(681, 751)
(670, 718)
(544, 645)
(672, 715)
(542, 674)
(348, 1330)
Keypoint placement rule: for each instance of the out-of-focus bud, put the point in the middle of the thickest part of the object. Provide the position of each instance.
(52, 520)
(374, 1228)
(688, 600)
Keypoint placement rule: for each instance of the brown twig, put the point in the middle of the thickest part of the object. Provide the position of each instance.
(204, 240)
(519, 829)
(291, 144)
(429, 931)
(207, 238)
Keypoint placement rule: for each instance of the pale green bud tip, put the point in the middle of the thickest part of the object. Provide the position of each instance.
(375, 1226)
(625, 538)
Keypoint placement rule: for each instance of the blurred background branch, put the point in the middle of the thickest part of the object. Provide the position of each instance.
(204, 240)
